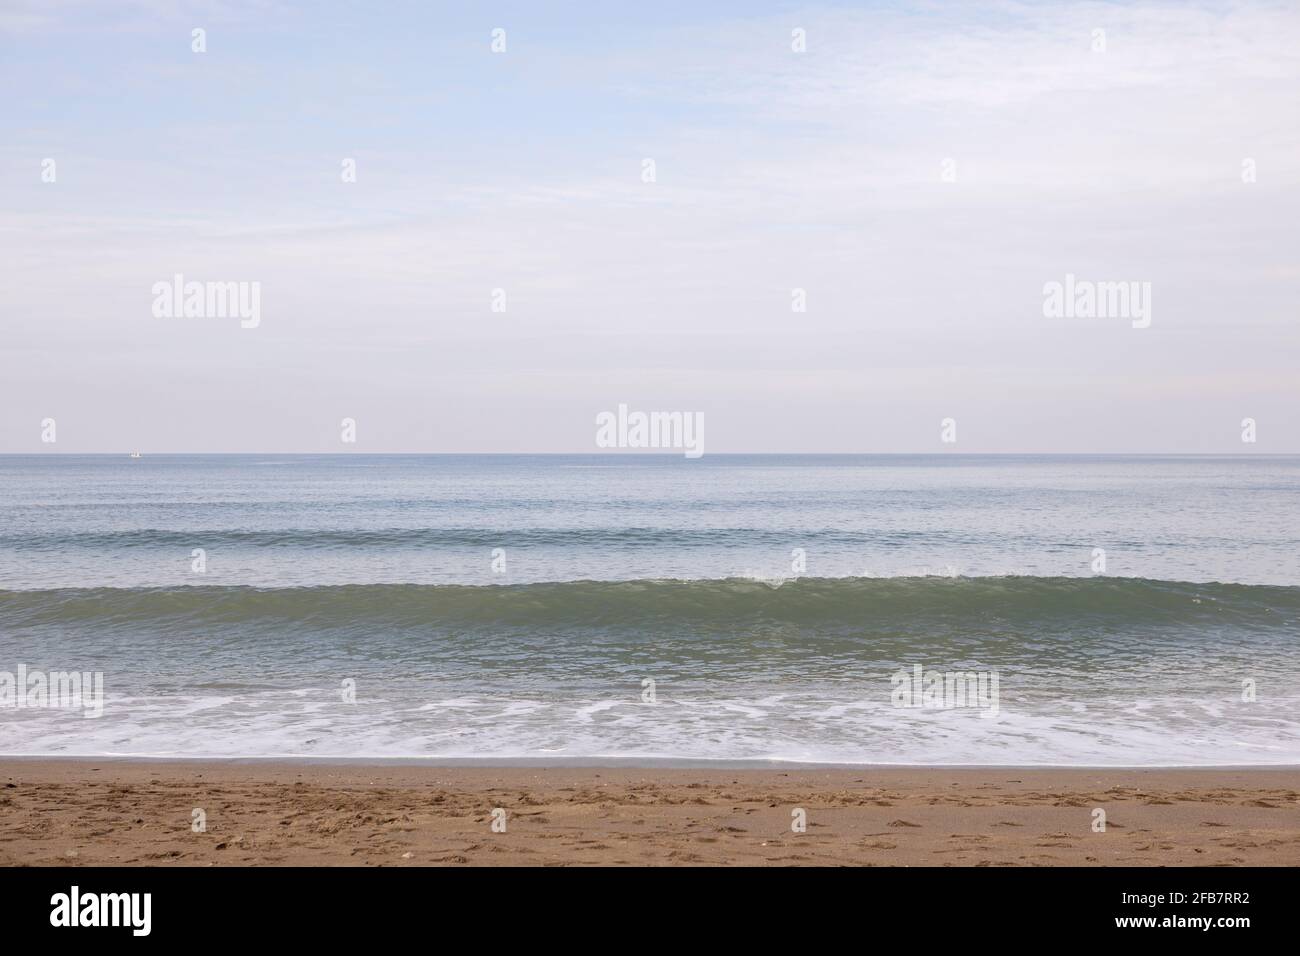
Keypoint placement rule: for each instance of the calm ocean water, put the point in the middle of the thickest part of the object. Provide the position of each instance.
(518, 606)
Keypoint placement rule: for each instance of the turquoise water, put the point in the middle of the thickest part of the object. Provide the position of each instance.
(517, 606)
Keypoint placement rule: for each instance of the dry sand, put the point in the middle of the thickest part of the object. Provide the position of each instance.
(118, 812)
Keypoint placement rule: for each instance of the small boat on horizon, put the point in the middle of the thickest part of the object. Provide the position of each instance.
(136, 454)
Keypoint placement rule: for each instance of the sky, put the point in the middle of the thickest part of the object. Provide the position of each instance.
(920, 171)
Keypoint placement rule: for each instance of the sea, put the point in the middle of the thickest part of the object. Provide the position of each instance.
(644, 609)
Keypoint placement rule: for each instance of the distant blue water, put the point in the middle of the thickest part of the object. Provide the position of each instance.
(514, 606)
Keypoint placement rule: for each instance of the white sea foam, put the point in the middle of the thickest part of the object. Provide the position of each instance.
(794, 726)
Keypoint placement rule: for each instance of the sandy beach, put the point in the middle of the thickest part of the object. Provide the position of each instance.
(61, 812)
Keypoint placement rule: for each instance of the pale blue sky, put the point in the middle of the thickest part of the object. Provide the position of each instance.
(776, 170)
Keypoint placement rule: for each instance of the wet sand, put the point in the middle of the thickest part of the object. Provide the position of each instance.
(60, 812)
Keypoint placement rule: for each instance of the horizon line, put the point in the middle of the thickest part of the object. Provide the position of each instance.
(665, 454)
